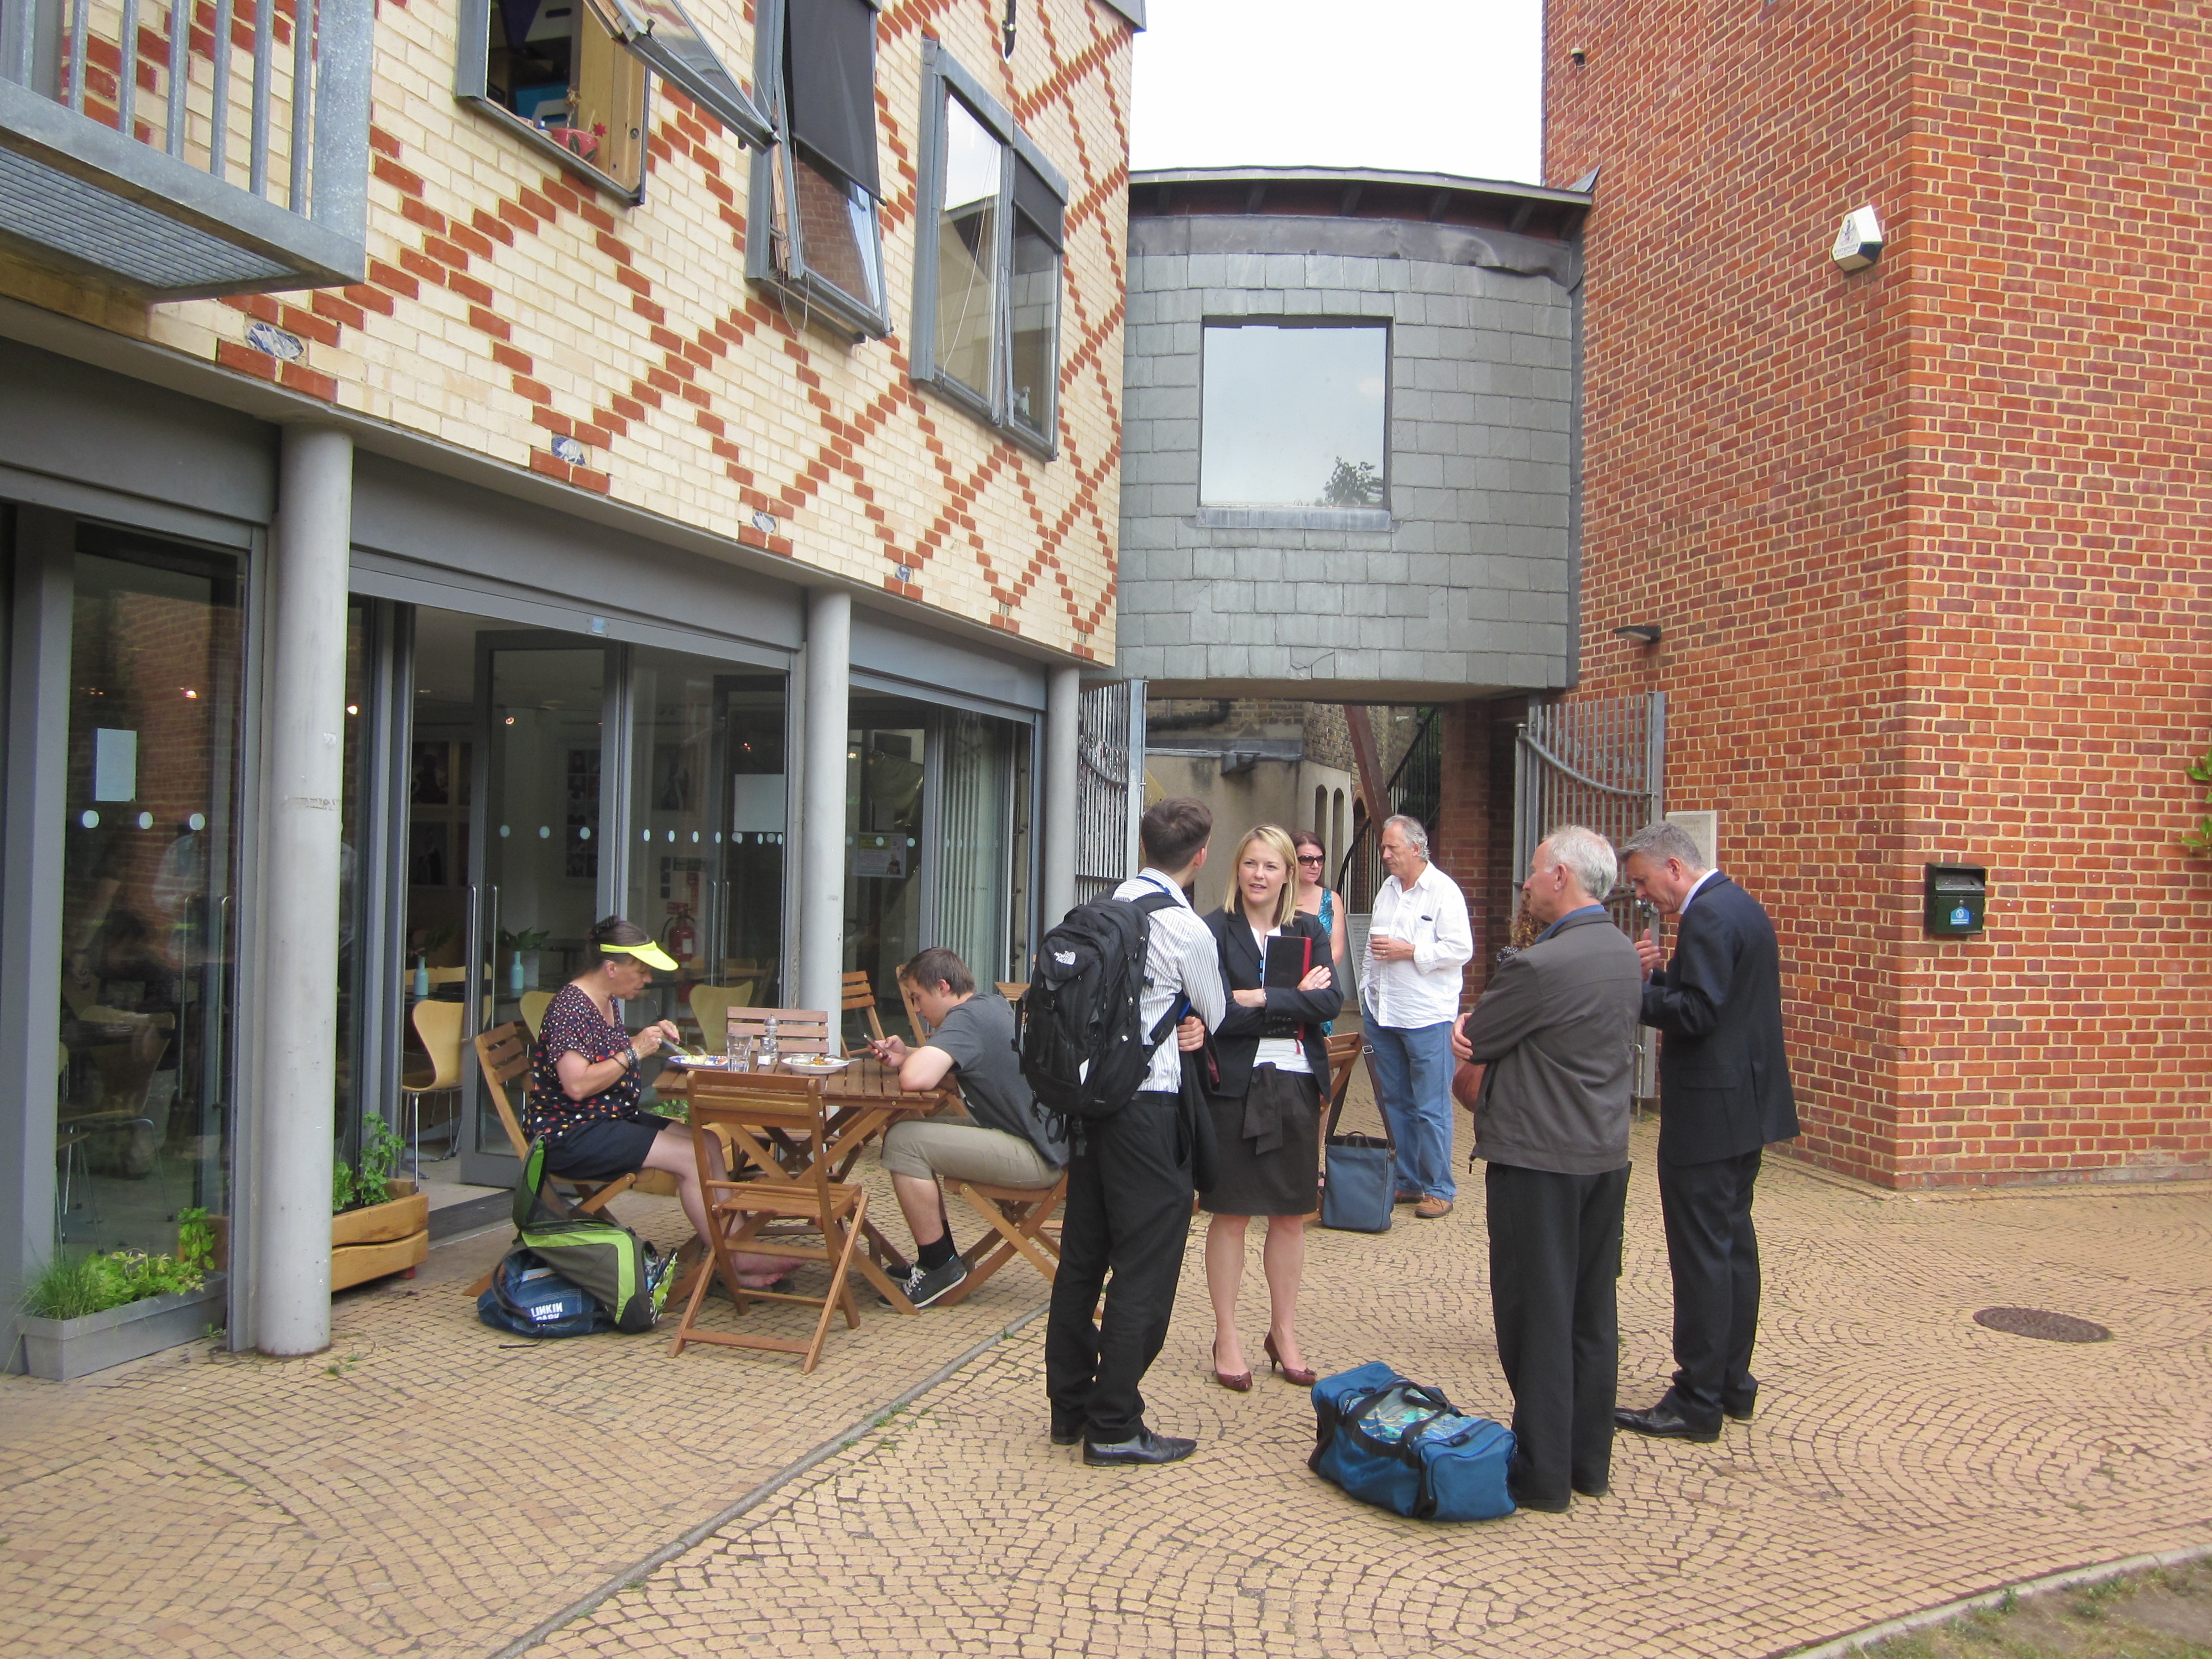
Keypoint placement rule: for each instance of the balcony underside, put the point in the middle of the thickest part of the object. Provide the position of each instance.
(77, 192)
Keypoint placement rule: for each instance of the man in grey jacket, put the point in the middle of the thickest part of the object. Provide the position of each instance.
(1557, 1031)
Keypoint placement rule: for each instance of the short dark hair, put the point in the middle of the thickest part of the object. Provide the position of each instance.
(615, 930)
(938, 965)
(1173, 832)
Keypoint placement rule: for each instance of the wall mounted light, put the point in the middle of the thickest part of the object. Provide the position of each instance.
(1641, 632)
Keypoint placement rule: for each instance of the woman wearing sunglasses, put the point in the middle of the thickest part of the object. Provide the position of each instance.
(1316, 899)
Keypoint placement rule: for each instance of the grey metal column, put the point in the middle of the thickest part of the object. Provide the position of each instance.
(31, 901)
(822, 800)
(1062, 728)
(294, 1076)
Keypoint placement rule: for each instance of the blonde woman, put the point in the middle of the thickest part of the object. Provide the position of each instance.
(1266, 1100)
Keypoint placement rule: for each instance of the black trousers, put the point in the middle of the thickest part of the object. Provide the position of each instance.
(1714, 1255)
(1554, 1265)
(1129, 1193)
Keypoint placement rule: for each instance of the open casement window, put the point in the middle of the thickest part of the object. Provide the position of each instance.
(569, 76)
(987, 267)
(816, 231)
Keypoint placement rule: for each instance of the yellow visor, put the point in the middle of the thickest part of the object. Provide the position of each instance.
(649, 953)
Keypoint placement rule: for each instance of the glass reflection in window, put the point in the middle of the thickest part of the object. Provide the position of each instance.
(836, 226)
(1036, 327)
(967, 249)
(1294, 416)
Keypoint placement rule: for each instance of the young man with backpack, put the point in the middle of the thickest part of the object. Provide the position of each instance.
(1130, 1179)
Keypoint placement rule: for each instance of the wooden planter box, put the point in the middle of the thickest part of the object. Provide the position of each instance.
(61, 1350)
(382, 1238)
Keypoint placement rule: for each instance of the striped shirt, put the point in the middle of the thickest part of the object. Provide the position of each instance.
(1180, 961)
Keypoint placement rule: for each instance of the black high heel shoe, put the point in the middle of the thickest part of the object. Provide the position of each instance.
(1237, 1382)
(1304, 1379)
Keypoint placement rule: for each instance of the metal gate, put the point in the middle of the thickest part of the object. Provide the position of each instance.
(1599, 763)
(1109, 785)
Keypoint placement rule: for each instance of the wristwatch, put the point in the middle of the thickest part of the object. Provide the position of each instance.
(632, 1052)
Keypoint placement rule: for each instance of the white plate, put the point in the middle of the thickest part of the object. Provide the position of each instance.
(820, 1063)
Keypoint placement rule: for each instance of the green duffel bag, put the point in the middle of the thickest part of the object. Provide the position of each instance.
(626, 1276)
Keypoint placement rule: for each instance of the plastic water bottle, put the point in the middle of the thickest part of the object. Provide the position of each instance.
(767, 1058)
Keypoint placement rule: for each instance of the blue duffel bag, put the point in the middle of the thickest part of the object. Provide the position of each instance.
(528, 1298)
(1402, 1447)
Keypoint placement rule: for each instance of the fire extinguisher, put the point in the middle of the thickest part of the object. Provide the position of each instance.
(683, 938)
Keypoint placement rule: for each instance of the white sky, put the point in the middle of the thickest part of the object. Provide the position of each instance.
(1425, 86)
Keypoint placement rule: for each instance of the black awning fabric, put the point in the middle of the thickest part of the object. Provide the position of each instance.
(1039, 202)
(829, 73)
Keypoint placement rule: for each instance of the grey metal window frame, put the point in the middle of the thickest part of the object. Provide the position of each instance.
(472, 85)
(801, 284)
(1352, 518)
(942, 73)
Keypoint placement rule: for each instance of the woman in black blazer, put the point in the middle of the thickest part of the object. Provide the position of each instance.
(1272, 1069)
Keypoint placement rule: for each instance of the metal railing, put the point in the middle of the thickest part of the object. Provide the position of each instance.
(238, 123)
(1415, 788)
(1109, 786)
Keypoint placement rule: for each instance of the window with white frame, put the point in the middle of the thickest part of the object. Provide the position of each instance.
(987, 266)
(569, 77)
(815, 232)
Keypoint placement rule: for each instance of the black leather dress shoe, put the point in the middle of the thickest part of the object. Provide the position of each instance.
(1593, 1489)
(1066, 1428)
(1146, 1447)
(1740, 1410)
(1663, 1422)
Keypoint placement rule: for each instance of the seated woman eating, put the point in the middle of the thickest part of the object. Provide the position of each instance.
(583, 1085)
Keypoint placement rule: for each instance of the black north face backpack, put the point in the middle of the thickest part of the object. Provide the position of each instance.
(1082, 1048)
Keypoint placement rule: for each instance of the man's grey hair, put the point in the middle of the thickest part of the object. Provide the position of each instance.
(1587, 856)
(1661, 841)
(1416, 837)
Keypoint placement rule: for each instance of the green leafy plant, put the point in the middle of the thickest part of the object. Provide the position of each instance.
(2199, 839)
(529, 938)
(369, 1181)
(195, 1239)
(72, 1286)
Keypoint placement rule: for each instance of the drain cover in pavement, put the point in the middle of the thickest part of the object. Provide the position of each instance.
(2041, 1322)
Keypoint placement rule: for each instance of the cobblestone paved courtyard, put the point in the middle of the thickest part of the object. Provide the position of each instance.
(427, 1487)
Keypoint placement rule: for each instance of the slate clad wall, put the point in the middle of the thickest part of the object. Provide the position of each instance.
(1464, 587)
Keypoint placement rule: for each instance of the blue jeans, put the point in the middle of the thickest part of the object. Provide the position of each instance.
(1413, 1072)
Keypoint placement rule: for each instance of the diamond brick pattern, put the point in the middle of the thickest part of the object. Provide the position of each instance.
(508, 304)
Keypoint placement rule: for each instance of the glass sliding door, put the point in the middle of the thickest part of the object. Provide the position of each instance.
(976, 819)
(887, 754)
(144, 1095)
(539, 856)
(704, 845)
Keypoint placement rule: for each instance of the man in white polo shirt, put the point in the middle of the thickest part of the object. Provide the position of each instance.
(1419, 939)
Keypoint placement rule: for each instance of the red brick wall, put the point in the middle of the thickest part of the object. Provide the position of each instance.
(1923, 540)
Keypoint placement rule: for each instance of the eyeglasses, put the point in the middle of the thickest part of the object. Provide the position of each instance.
(1313, 858)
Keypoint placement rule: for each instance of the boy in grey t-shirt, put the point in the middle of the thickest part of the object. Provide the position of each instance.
(1012, 1141)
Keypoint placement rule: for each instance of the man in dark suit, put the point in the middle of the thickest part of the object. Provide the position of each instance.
(1557, 1032)
(1723, 1094)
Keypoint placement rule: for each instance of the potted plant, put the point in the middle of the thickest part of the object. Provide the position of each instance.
(378, 1225)
(85, 1313)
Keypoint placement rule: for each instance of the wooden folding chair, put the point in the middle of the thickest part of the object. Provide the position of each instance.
(503, 1055)
(798, 1031)
(748, 1115)
(921, 1027)
(1017, 1217)
(859, 996)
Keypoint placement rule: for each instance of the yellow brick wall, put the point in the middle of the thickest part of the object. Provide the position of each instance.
(507, 304)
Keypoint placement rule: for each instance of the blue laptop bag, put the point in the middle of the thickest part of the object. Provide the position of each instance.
(1402, 1447)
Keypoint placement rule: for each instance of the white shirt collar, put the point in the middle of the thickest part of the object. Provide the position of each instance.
(1691, 897)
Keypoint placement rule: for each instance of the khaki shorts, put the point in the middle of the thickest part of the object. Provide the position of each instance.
(965, 1151)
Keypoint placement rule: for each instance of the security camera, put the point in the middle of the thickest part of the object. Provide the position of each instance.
(1580, 54)
(1858, 242)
